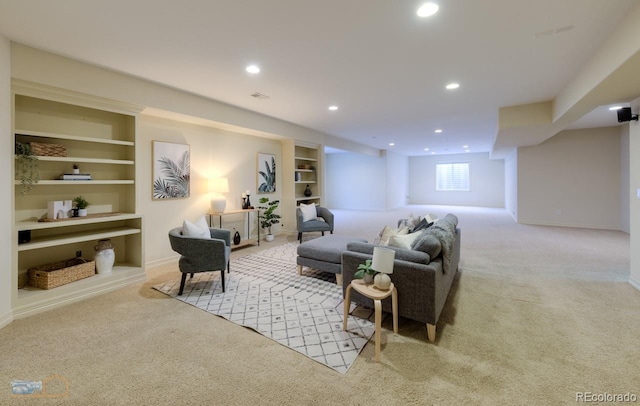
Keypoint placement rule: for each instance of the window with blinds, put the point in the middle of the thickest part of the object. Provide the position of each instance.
(452, 176)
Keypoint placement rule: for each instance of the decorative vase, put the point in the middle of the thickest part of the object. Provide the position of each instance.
(269, 237)
(367, 278)
(307, 191)
(105, 256)
(236, 238)
(382, 281)
(82, 212)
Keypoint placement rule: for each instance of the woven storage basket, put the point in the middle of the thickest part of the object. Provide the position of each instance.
(41, 149)
(60, 273)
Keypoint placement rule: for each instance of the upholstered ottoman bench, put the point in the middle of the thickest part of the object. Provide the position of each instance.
(325, 254)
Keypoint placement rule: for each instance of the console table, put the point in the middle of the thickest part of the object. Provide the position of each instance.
(245, 241)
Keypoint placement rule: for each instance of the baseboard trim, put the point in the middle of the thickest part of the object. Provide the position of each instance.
(6, 319)
(164, 261)
(568, 225)
(634, 283)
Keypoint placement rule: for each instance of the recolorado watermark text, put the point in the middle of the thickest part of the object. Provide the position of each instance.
(606, 397)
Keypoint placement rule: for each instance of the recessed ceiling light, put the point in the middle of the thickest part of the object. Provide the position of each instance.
(465, 146)
(333, 108)
(426, 149)
(427, 10)
(253, 69)
(452, 86)
(391, 144)
(433, 153)
(438, 131)
(615, 108)
(467, 150)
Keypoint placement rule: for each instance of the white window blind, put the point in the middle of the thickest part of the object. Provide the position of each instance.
(452, 176)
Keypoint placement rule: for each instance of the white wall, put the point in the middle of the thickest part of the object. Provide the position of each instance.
(6, 182)
(511, 184)
(572, 179)
(214, 153)
(355, 181)
(397, 177)
(625, 192)
(634, 150)
(486, 176)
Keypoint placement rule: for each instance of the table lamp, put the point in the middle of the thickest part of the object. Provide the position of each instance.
(218, 186)
(383, 264)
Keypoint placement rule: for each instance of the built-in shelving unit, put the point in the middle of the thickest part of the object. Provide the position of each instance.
(302, 166)
(100, 137)
(306, 173)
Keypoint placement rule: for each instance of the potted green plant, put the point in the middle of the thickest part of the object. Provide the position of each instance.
(267, 215)
(81, 204)
(365, 272)
(26, 167)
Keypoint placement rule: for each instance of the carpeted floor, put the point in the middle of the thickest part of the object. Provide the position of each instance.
(536, 315)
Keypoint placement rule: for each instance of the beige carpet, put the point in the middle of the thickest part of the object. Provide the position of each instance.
(536, 315)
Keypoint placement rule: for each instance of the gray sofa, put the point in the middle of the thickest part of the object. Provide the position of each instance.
(422, 275)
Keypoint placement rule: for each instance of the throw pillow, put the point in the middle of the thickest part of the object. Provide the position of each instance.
(403, 241)
(431, 218)
(387, 232)
(198, 230)
(428, 243)
(309, 212)
(422, 225)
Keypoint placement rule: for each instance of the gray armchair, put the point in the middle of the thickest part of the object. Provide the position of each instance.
(315, 225)
(201, 255)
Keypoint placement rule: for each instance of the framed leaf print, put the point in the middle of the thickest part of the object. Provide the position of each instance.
(266, 173)
(171, 170)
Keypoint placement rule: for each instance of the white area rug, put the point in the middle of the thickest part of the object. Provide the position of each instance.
(265, 293)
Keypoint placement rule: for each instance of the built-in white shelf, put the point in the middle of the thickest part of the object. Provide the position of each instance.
(302, 158)
(71, 137)
(86, 160)
(77, 237)
(81, 182)
(40, 225)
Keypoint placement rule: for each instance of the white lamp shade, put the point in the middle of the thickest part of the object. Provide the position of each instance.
(219, 185)
(383, 260)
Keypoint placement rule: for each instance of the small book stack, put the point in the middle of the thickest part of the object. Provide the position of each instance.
(75, 176)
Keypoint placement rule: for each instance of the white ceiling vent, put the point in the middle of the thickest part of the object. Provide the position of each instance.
(260, 96)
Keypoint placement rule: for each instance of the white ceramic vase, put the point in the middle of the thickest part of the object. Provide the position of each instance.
(269, 237)
(105, 256)
(82, 212)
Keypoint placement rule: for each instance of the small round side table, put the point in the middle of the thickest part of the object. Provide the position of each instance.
(376, 295)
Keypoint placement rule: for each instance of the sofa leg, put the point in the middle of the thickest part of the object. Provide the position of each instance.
(299, 269)
(431, 332)
(339, 279)
(300, 237)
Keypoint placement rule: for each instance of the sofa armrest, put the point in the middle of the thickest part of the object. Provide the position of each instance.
(419, 286)
(221, 234)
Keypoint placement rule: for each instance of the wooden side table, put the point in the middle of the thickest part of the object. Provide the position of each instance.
(376, 295)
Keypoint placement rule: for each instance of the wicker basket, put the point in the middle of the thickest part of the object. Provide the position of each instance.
(41, 149)
(60, 273)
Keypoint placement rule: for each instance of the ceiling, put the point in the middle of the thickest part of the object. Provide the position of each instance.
(382, 65)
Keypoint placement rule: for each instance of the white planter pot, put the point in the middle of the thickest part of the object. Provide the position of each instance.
(82, 212)
(269, 237)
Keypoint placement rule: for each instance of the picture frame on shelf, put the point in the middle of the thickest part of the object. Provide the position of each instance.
(266, 173)
(171, 170)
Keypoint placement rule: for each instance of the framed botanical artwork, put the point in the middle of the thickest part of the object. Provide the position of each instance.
(266, 175)
(171, 170)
